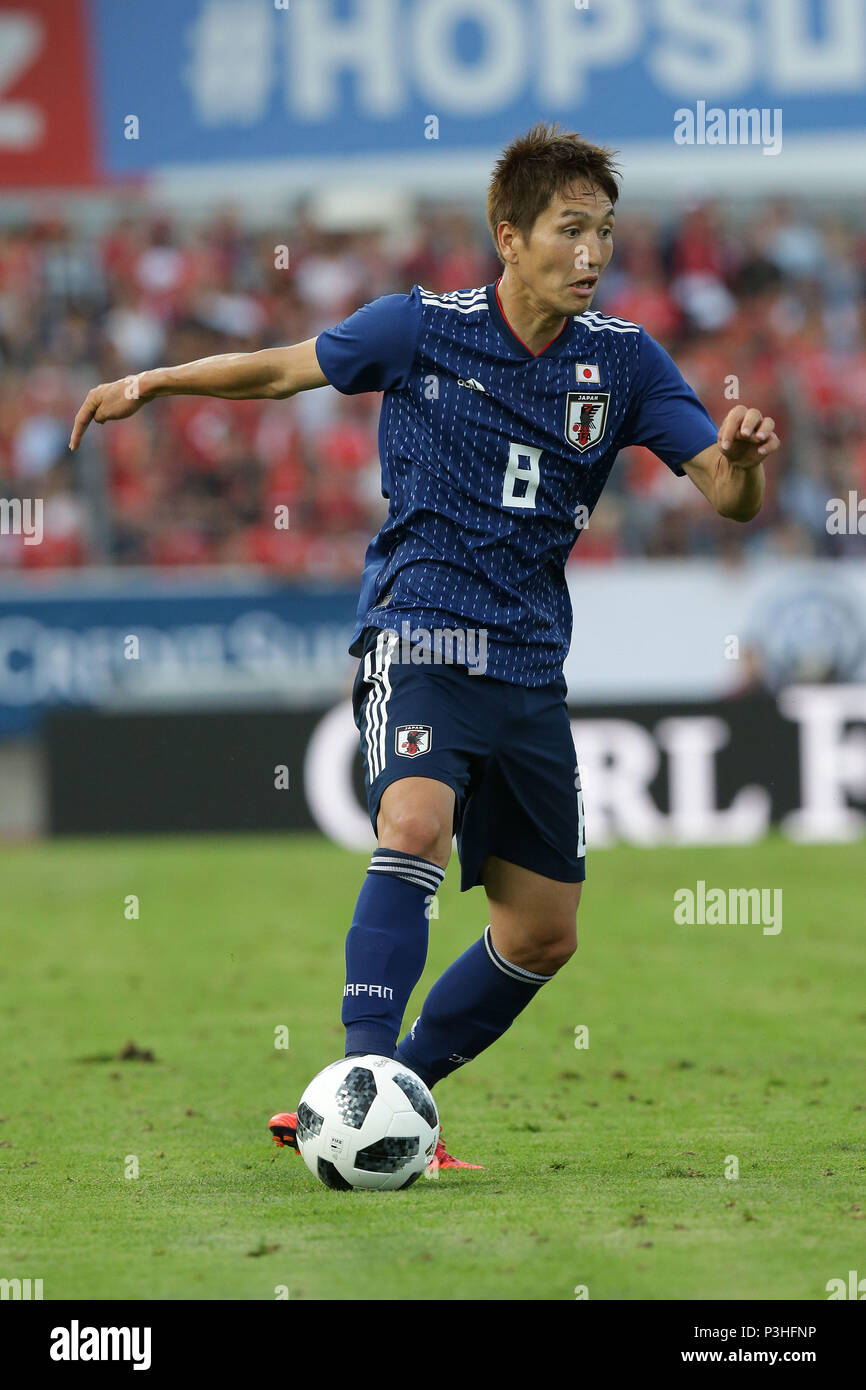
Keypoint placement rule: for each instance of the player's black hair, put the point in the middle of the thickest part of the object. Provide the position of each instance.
(536, 166)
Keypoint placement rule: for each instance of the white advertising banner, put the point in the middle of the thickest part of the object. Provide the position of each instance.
(696, 630)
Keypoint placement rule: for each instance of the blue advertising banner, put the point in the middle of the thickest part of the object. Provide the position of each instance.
(202, 81)
(156, 644)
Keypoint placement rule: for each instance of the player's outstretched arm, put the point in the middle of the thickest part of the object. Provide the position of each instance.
(730, 473)
(272, 374)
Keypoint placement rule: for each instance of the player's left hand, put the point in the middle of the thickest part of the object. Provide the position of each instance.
(747, 436)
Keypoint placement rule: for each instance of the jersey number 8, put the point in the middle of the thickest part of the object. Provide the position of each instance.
(522, 471)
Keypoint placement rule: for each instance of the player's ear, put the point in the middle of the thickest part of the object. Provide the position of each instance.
(506, 236)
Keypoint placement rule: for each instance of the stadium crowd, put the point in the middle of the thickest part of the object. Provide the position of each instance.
(767, 307)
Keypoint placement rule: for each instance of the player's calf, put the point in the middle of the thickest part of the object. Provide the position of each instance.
(386, 947)
(482, 993)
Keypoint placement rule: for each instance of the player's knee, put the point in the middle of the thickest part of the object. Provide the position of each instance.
(560, 938)
(559, 952)
(415, 831)
(545, 951)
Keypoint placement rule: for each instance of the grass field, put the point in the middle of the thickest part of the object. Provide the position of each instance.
(604, 1167)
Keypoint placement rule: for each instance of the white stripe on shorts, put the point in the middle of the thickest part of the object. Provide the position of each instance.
(376, 714)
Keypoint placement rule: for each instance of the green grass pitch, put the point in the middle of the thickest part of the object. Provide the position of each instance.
(604, 1166)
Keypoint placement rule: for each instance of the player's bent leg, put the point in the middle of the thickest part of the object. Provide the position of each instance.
(481, 994)
(467, 1010)
(533, 919)
(386, 948)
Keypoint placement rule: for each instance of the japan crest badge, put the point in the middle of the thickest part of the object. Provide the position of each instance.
(586, 418)
(413, 739)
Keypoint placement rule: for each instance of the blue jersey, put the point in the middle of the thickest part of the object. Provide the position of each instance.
(493, 458)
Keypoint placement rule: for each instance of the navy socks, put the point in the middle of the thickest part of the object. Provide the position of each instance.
(386, 948)
(468, 1008)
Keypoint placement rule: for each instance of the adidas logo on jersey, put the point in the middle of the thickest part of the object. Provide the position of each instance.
(472, 384)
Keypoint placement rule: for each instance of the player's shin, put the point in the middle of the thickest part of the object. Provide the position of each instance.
(386, 948)
(468, 1008)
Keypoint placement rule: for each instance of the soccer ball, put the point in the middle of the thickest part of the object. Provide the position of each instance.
(367, 1122)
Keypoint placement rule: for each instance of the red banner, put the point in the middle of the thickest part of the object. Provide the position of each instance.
(46, 95)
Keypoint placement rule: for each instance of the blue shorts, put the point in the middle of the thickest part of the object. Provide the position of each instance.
(506, 750)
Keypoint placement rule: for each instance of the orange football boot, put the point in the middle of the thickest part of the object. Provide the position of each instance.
(284, 1128)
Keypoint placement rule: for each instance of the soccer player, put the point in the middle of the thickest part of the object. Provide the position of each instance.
(503, 410)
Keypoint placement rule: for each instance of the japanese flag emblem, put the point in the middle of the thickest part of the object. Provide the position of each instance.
(586, 418)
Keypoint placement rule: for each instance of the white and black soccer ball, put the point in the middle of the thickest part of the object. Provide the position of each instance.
(367, 1122)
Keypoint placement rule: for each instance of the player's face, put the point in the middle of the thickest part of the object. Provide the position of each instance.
(569, 247)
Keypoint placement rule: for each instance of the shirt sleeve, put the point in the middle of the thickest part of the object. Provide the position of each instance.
(666, 415)
(374, 348)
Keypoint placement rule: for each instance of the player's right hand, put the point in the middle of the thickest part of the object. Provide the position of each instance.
(113, 400)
